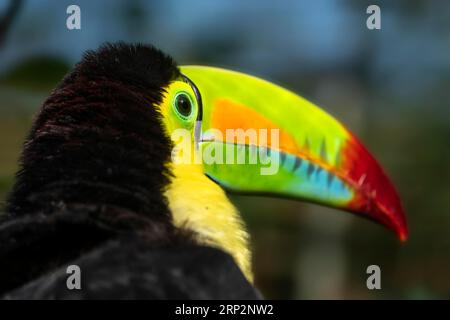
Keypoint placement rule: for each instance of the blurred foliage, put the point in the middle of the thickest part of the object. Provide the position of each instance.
(35, 73)
(12, 133)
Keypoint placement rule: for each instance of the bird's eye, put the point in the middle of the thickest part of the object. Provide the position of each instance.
(183, 105)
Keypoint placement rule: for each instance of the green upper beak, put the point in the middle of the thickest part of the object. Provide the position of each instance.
(261, 138)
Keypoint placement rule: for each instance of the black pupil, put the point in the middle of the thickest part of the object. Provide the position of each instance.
(183, 105)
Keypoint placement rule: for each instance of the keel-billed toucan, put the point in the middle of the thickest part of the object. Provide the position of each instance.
(107, 183)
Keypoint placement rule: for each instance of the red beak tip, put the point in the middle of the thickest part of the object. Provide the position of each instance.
(403, 237)
(400, 227)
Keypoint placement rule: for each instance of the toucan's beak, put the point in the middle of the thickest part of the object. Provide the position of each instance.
(313, 157)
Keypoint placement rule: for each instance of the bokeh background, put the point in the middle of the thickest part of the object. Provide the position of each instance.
(390, 86)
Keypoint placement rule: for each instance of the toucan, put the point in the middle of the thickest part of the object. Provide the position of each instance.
(111, 183)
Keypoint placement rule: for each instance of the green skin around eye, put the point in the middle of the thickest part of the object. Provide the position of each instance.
(184, 118)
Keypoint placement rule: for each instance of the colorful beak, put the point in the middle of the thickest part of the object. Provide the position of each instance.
(302, 152)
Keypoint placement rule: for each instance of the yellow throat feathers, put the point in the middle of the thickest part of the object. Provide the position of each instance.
(199, 204)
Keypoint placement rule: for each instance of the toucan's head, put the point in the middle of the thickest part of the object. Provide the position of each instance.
(126, 105)
(309, 156)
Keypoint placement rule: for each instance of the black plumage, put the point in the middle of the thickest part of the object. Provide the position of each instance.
(89, 192)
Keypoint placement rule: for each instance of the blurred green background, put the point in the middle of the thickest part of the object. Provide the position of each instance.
(390, 86)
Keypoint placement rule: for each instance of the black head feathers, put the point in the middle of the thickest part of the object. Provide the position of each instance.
(97, 141)
(139, 65)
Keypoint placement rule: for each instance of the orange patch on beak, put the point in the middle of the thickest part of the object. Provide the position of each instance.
(232, 115)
